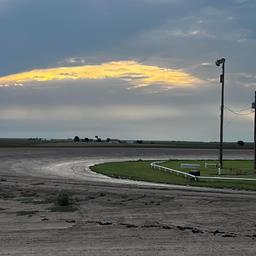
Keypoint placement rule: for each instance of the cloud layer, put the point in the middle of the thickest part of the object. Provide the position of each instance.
(138, 74)
(85, 54)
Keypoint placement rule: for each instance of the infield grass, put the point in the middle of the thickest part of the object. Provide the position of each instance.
(141, 171)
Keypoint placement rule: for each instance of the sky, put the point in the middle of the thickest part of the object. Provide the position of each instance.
(126, 69)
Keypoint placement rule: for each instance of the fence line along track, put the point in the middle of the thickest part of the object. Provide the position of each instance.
(156, 165)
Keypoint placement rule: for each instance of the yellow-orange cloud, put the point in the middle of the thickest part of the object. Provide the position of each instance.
(137, 74)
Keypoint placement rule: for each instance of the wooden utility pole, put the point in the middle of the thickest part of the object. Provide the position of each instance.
(253, 106)
(222, 79)
(222, 114)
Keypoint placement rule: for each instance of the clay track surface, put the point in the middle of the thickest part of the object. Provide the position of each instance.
(117, 218)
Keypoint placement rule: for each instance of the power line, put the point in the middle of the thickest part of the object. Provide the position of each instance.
(241, 110)
(239, 113)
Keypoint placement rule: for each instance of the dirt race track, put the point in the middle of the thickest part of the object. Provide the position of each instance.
(117, 218)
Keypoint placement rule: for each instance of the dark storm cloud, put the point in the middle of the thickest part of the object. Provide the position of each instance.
(40, 33)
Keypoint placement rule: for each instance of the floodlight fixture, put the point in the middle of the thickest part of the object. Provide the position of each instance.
(219, 62)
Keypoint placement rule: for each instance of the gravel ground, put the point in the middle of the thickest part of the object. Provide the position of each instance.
(117, 217)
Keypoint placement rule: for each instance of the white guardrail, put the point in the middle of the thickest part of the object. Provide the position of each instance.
(224, 178)
(155, 165)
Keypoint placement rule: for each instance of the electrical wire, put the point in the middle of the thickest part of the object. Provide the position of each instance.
(244, 109)
(239, 113)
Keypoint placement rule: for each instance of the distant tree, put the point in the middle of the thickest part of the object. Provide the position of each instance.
(240, 143)
(139, 141)
(108, 140)
(98, 139)
(76, 139)
(86, 140)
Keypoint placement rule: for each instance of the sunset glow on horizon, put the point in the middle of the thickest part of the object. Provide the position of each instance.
(139, 75)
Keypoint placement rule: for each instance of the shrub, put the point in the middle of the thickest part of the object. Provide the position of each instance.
(63, 199)
(240, 143)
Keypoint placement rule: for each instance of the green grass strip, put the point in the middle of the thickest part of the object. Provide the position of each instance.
(141, 171)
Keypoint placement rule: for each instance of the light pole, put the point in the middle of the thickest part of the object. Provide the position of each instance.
(222, 78)
(253, 107)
